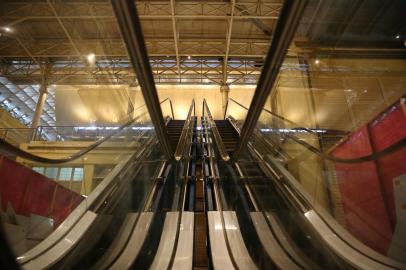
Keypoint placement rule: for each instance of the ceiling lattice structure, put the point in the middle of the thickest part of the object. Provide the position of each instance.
(46, 32)
(189, 42)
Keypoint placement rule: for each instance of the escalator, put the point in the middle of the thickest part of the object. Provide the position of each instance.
(132, 215)
(228, 134)
(274, 211)
(179, 202)
(199, 212)
(174, 130)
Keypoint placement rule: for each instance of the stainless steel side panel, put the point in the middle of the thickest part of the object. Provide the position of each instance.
(184, 251)
(167, 242)
(271, 245)
(221, 257)
(73, 218)
(119, 242)
(332, 230)
(53, 255)
(356, 259)
(135, 242)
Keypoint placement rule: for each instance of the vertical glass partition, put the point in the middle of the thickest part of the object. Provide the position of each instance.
(340, 96)
(68, 96)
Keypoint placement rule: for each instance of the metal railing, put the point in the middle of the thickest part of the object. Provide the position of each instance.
(220, 145)
(14, 150)
(185, 130)
(16, 136)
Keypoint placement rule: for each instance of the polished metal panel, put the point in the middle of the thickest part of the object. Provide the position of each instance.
(219, 254)
(135, 242)
(167, 242)
(184, 251)
(336, 237)
(272, 246)
(119, 242)
(345, 251)
(62, 248)
(97, 196)
(221, 257)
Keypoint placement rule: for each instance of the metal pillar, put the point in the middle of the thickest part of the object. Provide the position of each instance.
(43, 93)
(224, 90)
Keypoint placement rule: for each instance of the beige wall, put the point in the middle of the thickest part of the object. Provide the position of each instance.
(104, 105)
(182, 96)
(346, 93)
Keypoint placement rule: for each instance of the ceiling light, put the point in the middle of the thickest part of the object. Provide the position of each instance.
(189, 57)
(91, 57)
(397, 36)
(317, 61)
(7, 29)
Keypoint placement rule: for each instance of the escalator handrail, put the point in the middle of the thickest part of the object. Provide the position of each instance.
(285, 30)
(183, 137)
(277, 116)
(376, 155)
(305, 204)
(14, 150)
(130, 27)
(94, 200)
(215, 178)
(4, 145)
(220, 145)
(297, 190)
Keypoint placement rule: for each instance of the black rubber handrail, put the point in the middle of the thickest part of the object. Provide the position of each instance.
(220, 145)
(183, 137)
(387, 151)
(287, 24)
(131, 31)
(278, 116)
(8, 147)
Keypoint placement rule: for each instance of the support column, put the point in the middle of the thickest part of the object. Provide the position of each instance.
(87, 182)
(224, 90)
(133, 91)
(43, 93)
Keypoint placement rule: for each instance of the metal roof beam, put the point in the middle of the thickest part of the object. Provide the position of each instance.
(228, 41)
(175, 36)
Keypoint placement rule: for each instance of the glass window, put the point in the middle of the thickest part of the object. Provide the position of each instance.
(65, 174)
(38, 169)
(51, 172)
(78, 174)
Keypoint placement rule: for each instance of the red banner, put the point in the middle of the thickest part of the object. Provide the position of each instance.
(32, 193)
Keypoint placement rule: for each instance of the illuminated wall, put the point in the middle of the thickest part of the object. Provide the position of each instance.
(109, 105)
